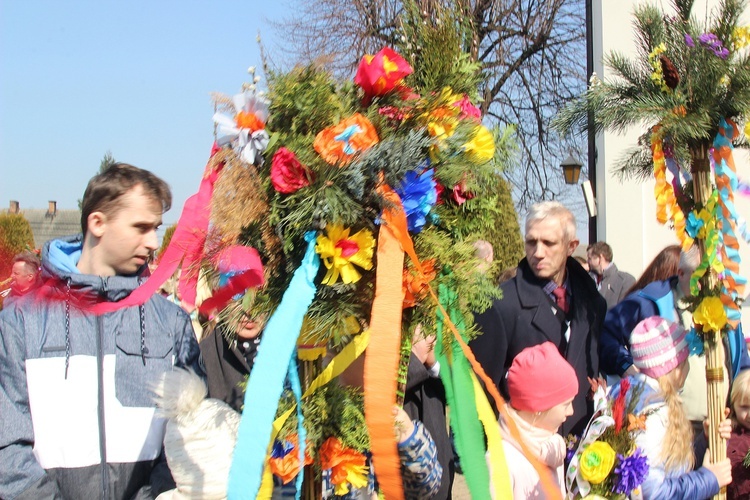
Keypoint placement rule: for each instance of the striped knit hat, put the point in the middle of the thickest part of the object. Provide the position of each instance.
(658, 346)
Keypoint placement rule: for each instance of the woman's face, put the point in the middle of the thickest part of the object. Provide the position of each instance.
(553, 418)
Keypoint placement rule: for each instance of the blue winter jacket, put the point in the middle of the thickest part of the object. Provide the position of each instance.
(656, 299)
(78, 417)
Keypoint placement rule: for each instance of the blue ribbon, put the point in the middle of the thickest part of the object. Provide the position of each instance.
(266, 384)
(726, 202)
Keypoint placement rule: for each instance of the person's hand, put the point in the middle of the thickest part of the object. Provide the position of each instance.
(721, 469)
(725, 427)
(632, 370)
(423, 347)
(403, 426)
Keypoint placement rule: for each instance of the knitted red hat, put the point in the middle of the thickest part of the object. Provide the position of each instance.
(540, 378)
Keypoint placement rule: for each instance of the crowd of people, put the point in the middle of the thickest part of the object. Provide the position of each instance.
(77, 402)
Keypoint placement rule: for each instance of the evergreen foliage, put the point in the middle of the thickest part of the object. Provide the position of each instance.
(15, 237)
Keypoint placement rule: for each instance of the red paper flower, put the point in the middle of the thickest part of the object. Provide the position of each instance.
(460, 194)
(287, 173)
(381, 73)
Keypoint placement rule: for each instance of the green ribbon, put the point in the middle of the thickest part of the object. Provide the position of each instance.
(455, 372)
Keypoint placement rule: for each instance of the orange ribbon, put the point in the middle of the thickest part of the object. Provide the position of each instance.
(382, 356)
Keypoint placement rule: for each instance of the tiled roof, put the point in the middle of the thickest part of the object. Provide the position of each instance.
(47, 226)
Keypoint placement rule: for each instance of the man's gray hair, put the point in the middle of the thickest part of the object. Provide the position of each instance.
(542, 210)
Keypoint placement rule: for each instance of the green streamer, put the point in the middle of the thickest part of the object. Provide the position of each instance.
(455, 372)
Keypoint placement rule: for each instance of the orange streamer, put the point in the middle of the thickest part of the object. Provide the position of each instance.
(382, 355)
(667, 208)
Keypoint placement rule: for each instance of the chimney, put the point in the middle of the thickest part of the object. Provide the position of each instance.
(51, 208)
(15, 207)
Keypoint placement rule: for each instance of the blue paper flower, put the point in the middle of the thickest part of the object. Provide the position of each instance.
(418, 195)
(281, 448)
(631, 472)
(694, 342)
(693, 225)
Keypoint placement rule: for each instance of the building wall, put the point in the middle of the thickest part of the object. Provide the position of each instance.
(627, 209)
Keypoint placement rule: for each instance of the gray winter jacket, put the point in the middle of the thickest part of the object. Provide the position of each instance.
(78, 417)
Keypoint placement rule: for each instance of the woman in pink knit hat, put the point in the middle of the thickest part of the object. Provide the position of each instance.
(542, 386)
(660, 352)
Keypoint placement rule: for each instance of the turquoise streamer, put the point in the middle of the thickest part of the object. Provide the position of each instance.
(266, 384)
(725, 200)
(301, 432)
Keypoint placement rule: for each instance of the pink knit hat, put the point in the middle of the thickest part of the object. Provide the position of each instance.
(540, 378)
(658, 346)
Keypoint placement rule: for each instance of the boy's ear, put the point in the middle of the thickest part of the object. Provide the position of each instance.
(97, 223)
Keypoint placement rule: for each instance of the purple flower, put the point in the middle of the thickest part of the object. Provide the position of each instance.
(689, 41)
(631, 472)
(711, 42)
(418, 194)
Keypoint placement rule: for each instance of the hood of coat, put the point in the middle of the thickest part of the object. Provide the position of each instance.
(60, 258)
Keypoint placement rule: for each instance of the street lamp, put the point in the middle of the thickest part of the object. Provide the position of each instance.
(571, 170)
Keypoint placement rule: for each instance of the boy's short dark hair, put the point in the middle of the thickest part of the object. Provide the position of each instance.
(105, 190)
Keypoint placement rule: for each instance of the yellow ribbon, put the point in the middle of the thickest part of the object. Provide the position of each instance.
(500, 481)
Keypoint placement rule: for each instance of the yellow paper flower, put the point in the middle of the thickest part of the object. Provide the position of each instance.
(481, 147)
(747, 128)
(597, 461)
(341, 252)
(710, 314)
(740, 38)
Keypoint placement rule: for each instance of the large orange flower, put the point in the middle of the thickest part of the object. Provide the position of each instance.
(347, 465)
(338, 144)
(416, 284)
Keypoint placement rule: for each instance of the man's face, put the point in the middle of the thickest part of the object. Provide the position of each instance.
(547, 249)
(595, 262)
(127, 236)
(21, 277)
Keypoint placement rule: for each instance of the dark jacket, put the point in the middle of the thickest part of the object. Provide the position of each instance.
(526, 316)
(78, 416)
(424, 400)
(614, 285)
(227, 367)
(737, 448)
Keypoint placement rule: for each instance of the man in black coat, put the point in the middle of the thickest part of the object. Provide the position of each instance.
(552, 298)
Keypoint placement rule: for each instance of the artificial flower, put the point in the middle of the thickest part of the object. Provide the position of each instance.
(284, 459)
(747, 129)
(631, 472)
(740, 37)
(654, 59)
(416, 284)
(460, 194)
(712, 42)
(597, 461)
(246, 130)
(347, 465)
(481, 146)
(689, 41)
(710, 314)
(287, 173)
(468, 110)
(418, 196)
(381, 73)
(618, 406)
(338, 144)
(636, 422)
(341, 252)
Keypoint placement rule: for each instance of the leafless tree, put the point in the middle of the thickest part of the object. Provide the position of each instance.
(532, 54)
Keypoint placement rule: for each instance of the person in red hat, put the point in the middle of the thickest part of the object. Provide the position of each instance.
(542, 386)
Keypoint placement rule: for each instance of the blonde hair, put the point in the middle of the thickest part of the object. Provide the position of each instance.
(740, 393)
(677, 446)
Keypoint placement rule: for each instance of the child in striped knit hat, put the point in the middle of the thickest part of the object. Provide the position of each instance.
(660, 352)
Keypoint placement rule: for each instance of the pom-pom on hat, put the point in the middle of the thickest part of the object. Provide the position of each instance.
(658, 346)
(540, 378)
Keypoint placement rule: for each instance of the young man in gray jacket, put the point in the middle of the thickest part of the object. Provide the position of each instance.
(78, 418)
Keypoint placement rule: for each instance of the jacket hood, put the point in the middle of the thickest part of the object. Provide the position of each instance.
(59, 263)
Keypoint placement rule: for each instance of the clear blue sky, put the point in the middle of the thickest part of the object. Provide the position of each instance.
(79, 78)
